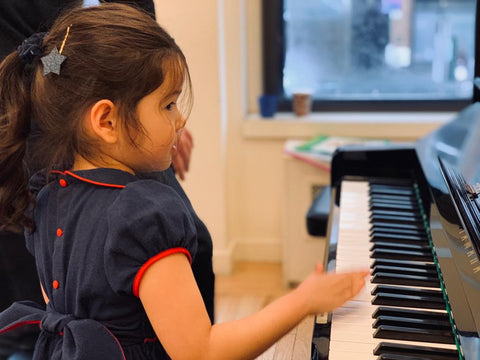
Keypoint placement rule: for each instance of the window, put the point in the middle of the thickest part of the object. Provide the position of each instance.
(406, 55)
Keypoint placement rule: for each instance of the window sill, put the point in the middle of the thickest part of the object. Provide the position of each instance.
(389, 125)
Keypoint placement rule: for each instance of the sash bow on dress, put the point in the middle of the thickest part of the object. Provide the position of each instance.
(61, 336)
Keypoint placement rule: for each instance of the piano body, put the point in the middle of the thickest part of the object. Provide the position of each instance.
(412, 214)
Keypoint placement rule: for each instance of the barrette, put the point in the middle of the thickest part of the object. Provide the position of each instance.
(53, 61)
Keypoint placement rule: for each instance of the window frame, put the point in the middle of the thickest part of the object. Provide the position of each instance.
(273, 47)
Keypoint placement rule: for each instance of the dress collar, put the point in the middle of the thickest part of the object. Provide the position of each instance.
(101, 176)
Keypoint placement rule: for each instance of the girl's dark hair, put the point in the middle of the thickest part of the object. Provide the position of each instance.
(114, 52)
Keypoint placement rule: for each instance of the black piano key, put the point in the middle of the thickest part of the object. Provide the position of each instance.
(416, 351)
(396, 235)
(405, 238)
(404, 279)
(391, 190)
(389, 356)
(389, 204)
(407, 220)
(386, 226)
(418, 314)
(403, 270)
(413, 351)
(396, 213)
(414, 334)
(425, 250)
(390, 185)
(412, 297)
(393, 200)
(392, 289)
(390, 181)
(411, 322)
(401, 357)
(406, 193)
(393, 197)
(400, 255)
(405, 263)
(376, 206)
(418, 230)
(399, 300)
(395, 245)
(401, 243)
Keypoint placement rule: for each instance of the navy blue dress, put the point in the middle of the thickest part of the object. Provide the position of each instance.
(97, 232)
(202, 263)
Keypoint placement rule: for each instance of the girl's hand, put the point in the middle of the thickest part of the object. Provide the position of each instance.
(181, 160)
(324, 292)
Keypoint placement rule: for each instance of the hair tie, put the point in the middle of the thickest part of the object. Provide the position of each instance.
(31, 48)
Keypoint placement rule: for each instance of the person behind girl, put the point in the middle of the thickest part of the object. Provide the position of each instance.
(113, 251)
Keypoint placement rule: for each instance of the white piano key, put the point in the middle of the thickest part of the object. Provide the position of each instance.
(358, 351)
(351, 331)
(355, 334)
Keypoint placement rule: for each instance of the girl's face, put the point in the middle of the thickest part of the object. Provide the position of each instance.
(162, 122)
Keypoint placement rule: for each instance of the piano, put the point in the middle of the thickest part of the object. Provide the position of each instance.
(411, 213)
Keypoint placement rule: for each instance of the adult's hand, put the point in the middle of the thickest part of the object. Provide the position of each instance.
(181, 160)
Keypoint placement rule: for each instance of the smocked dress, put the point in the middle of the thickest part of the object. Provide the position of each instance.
(97, 232)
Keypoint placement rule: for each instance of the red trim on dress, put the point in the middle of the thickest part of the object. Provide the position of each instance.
(149, 340)
(151, 261)
(68, 172)
(93, 182)
(21, 323)
(118, 342)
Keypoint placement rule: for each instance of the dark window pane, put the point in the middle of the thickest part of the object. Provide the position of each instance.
(363, 50)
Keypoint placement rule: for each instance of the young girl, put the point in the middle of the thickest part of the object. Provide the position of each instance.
(114, 251)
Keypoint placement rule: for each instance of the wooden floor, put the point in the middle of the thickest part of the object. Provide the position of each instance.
(249, 288)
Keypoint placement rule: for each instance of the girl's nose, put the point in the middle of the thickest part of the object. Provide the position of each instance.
(180, 123)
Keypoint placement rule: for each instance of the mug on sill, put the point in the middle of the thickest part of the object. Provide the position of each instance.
(268, 105)
(302, 103)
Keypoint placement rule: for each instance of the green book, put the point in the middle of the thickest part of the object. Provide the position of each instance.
(323, 144)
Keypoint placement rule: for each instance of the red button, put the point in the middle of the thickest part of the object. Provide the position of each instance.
(63, 182)
(59, 232)
(55, 284)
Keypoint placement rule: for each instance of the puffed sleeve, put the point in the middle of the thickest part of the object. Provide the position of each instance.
(147, 222)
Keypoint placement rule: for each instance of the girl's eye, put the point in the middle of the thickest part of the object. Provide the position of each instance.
(170, 106)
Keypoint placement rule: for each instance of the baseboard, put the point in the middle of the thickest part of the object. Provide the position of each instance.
(223, 260)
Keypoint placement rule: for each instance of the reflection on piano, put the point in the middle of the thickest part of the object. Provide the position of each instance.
(411, 214)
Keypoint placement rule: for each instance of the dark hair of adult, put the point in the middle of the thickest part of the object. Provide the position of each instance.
(113, 52)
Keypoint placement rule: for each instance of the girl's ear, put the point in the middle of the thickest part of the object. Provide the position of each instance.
(104, 122)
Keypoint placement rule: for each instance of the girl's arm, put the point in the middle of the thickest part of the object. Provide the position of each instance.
(175, 308)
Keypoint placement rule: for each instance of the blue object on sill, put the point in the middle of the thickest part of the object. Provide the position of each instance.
(268, 105)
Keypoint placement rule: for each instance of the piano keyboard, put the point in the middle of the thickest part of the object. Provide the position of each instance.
(401, 313)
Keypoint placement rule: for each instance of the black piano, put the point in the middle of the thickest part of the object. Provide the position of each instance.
(412, 214)
(419, 220)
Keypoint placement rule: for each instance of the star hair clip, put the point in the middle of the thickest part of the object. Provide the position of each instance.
(53, 61)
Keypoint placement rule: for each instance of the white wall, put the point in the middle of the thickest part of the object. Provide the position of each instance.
(236, 181)
(195, 27)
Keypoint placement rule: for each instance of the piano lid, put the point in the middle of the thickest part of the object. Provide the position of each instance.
(450, 162)
(458, 144)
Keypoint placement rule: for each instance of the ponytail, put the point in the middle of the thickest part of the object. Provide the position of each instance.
(15, 113)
